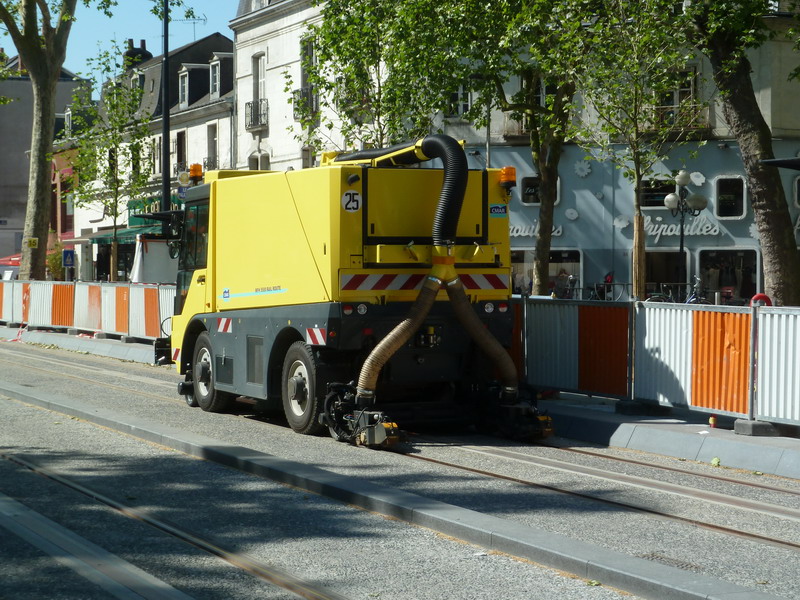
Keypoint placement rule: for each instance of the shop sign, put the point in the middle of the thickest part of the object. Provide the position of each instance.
(532, 230)
(699, 226)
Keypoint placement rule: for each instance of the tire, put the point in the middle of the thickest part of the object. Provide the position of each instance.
(299, 390)
(191, 401)
(207, 396)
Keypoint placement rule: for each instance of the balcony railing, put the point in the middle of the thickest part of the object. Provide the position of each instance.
(256, 114)
(682, 116)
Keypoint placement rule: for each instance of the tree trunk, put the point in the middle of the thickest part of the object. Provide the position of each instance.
(37, 216)
(548, 181)
(765, 190)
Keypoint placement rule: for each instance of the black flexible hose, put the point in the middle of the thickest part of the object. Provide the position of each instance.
(448, 210)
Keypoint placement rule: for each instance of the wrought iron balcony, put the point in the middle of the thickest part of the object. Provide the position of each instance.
(256, 114)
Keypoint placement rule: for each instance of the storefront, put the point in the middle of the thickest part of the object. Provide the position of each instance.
(592, 234)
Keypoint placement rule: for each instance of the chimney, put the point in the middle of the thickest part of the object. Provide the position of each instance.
(142, 45)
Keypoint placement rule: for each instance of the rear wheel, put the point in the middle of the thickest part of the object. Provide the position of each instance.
(301, 403)
(207, 396)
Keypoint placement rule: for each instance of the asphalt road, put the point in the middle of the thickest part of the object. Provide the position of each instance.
(351, 552)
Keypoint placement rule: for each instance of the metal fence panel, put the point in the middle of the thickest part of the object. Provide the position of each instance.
(166, 306)
(6, 310)
(778, 367)
(551, 337)
(40, 307)
(720, 359)
(604, 348)
(88, 313)
(663, 357)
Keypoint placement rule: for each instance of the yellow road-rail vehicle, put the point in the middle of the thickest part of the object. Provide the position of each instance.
(355, 295)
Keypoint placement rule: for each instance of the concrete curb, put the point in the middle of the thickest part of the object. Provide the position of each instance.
(135, 352)
(635, 575)
(676, 438)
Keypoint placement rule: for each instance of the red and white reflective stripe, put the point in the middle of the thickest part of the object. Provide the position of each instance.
(381, 282)
(485, 282)
(361, 282)
(176, 352)
(315, 336)
(224, 325)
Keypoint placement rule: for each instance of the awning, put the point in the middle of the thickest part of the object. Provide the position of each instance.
(786, 163)
(10, 261)
(124, 235)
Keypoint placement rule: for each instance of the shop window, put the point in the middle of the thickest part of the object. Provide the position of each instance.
(730, 195)
(654, 191)
(529, 190)
(563, 275)
(731, 276)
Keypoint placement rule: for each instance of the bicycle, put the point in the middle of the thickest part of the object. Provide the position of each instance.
(696, 297)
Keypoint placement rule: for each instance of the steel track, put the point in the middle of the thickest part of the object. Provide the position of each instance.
(768, 509)
(243, 562)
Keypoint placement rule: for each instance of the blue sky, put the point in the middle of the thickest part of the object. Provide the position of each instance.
(133, 19)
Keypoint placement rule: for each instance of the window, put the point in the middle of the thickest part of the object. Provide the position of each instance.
(730, 195)
(307, 154)
(215, 79)
(68, 122)
(680, 107)
(180, 151)
(155, 156)
(211, 140)
(654, 191)
(529, 190)
(183, 89)
(460, 103)
(195, 231)
(563, 274)
(259, 76)
(730, 276)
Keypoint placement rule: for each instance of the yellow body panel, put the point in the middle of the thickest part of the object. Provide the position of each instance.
(261, 252)
(298, 237)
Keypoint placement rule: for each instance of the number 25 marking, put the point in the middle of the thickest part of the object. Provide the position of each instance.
(351, 201)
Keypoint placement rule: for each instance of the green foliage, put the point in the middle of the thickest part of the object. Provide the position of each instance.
(634, 61)
(53, 262)
(110, 137)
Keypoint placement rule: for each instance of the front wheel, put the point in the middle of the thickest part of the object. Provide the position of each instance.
(207, 396)
(301, 403)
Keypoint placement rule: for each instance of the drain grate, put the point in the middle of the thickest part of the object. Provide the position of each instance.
(671, 562)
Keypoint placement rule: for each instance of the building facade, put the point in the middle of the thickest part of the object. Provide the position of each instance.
(16, 119)
(201, 132)
(593, 231)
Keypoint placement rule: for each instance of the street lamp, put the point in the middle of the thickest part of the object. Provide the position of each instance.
(683, 203)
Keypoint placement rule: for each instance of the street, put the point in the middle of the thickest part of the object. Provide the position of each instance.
(296, 542)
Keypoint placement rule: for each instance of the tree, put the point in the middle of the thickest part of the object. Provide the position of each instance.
(520, 56)
(353, 80)
(724, 31)
(636, 57)
(3, 75)
(110, 141)
(384, 70)
(40, 30)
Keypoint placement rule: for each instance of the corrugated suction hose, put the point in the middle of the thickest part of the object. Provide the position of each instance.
(445, 225)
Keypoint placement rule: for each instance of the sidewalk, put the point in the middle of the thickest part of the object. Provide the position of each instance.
(683, 435)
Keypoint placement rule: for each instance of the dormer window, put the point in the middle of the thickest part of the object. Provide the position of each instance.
(215, 73)
(183, 89)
